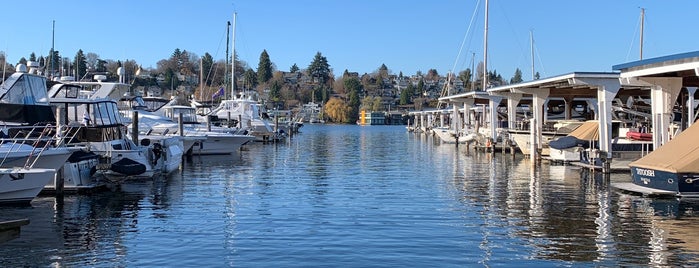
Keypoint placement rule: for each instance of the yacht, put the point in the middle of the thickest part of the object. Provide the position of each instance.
(157, 117)
(247, 113)
(28, 136)
(97, 125)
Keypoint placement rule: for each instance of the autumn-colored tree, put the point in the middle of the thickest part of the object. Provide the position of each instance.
(336, 110)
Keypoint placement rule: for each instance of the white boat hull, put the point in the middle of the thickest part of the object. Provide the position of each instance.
(449, 136)
(18, 155)
(20, 185)
(223, 144)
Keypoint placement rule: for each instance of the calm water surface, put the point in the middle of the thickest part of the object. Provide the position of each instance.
(350, 196)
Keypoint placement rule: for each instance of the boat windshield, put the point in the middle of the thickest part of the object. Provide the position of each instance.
(22, 88)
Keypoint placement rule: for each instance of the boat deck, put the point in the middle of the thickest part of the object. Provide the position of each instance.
(630, 187)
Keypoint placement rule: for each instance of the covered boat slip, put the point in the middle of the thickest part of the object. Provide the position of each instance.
(668, 80)
(673, 168)
(598, 90)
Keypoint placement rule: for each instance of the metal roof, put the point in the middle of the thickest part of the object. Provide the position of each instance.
(683, 65)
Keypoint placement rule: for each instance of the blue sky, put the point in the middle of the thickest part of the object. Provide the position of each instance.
(360, 35)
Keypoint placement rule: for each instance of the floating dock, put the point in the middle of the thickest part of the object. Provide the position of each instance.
(10, 229)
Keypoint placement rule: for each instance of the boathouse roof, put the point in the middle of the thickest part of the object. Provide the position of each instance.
(684, 65)
(571, 84)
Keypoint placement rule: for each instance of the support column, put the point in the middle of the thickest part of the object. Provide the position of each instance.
(512, 102)
(690, 105)
(441, 119)
(494, 102)
(605, 96)
(606, 91)
(455, 120)
(568, 106)
(538, 99)
(467, 111)
(539, 96)
(663, 95)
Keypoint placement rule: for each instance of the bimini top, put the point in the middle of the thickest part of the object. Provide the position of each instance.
(679, 155)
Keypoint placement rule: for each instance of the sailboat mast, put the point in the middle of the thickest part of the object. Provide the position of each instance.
(201, 76)
(643, 14)
(485, 49)
(225, 69)
(233, 57)
(53, 38)
(531, 43)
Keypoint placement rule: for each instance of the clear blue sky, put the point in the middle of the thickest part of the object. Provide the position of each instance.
(359, 35)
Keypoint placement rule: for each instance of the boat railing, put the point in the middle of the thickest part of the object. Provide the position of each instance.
(39, 137)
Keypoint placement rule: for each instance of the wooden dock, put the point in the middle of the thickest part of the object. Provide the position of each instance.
(10, 229)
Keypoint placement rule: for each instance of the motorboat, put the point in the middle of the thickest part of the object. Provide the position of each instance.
(96, 124)
(581, 142)
(29, 137)
(246, 113)
(671, 169)
(165, 120)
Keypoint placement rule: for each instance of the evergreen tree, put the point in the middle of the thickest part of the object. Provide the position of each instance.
(406, 94)
(32, 57)
(383, 71)
(465, 76)
(101, 65)
(80, 63)
(207, 66)
(275, 91)
(354, 88)
(250, 79)
(264, 68)
(294, 68)
(54, 59)
(319, 68)
(517, 78)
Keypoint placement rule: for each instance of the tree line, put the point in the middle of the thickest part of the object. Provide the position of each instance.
(342, 97)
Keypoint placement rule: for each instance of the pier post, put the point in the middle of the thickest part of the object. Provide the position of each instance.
(208, 122)
(533, 148)
(59, 180)
(134, 127)
(180, 124)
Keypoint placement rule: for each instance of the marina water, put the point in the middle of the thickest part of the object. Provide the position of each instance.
(351, 196)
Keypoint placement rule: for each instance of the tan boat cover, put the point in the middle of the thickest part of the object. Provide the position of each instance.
(679, 155)
(587, 131)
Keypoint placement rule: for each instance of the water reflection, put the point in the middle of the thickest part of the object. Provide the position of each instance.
(359, 196)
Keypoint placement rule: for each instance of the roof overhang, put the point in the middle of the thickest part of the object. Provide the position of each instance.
(576, 84)
(684, 65)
